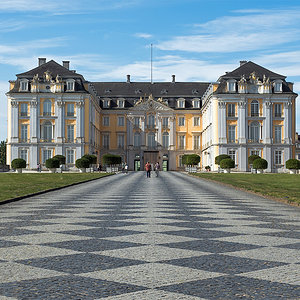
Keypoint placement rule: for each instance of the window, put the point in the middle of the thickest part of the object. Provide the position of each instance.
(181, 103)
(231, 110)
(70, 109)
(24, 85)
(47, 131)
(196, 142)
(254, 108)
(165, 140)
(196, 103)
(121, 103)
(70, 133)
(70, 156)
(24, 110)
(105, 141)
(23, 154)
(24, 133)
(278, 87)
(181, 121)
(151, 121)
(278, 157)
(277, 110)
(105, 121)
(46, 154)
(106, 103)
(196, 121)
(70, 85)
(180, 161)
(231, 86)
(47, 108)
(121, 121)
(231, 134)
(165, 122)
(151, 140)
(254, 131)
(136, 122)
(181, 141)
(137, 140)
(278, 134)
(255, 152)
(120, 141)
(232, 155)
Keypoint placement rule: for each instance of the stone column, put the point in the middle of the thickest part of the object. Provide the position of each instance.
(60, 121)
(33, 121)
(80, 122)
(14, 121)
(242, 122)
(172, 132)
(268, 122)
(222, 128)
(287, 122)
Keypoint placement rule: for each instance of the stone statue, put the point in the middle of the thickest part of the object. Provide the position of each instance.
(35, 78)
(58, 79)
(47, 76)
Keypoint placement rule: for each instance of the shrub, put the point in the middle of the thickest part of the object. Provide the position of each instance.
(293, 164)
(260, 164)
(190, 159)
(219, 158)
(61, 158)
(82, 163)
(52, 163)
(227, 163)
(91, 158)
(18, 163)
(252, 158)
(111, 159)
(207, 168)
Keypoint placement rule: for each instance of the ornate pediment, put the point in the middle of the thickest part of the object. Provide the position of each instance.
(150, 104)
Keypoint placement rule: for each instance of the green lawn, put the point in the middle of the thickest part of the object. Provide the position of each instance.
(281, 186)
(16, 185)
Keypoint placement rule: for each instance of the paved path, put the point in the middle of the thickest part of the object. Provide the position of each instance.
(127, 237)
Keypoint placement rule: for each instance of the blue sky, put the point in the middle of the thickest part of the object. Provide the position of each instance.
(198, 40)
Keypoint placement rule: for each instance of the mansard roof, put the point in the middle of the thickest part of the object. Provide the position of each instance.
(250, 67)
(54, 68)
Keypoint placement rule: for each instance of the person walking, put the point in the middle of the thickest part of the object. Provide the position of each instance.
(157, 168)
(126, 168)
(148, 169)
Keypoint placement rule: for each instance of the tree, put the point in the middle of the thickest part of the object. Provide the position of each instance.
(190, 159)
(3, 153)
(82, 163)
(260, 164)
(52, 163)
(227, 163)
(252, 158)
(91, 158)
(61, 158)
(220, 157)
(18, 163)
(111, 159)
(293, 164)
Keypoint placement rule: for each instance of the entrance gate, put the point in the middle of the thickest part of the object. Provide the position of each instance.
(151, 156)
(137, 165)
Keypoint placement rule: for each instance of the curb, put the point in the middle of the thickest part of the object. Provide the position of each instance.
(50, 190)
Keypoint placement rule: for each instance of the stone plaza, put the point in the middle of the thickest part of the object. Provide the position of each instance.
(168, 237)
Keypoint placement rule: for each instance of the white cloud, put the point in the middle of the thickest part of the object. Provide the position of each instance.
(143, 35)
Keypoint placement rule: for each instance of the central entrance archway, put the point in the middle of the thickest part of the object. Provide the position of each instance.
(151, 156)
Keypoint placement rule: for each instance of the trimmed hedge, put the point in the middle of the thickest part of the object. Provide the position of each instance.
(91, 158)
(18, 163)
(111, 159)
(260, 164)
(82, 163)
(219, 158)
(190, 159)
(52, 163)
(252, 158)
(227, 163)
(293, 164)
(61, 158)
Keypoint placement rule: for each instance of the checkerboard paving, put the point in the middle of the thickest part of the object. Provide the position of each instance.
(130, 237)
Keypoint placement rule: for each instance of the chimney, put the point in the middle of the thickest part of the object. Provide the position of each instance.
(66, 64)
(42, 61)
(173, 78)
(242, 62)
(128, 78)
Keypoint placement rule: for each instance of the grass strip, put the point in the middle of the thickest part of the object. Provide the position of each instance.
(17, 185)
(285, 187)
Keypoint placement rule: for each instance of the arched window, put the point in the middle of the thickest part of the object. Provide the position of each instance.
(165, 140)
(254, 131)
(137, 140)
(151, 121)
(151, 140)
(47, 131)
(254, 108)
(47, 108)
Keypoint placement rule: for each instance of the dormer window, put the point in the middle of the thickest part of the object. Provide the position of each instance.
(24, 85)
(231, 86)
(164, 91)
(121, 103)
(278, 86)
(106, 103)
(138, 91)
(70, 85)
(107, 91)
(196, 103)
(181, 103)
(195, 92)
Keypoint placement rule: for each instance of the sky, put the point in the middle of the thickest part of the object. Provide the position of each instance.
(104, 40)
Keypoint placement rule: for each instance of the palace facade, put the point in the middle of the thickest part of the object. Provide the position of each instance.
(54, 110)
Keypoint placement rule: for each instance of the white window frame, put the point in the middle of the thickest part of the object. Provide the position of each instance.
(181, 141)
(70, 109)
(137, 122)
(277, 134)
(121, 141)
(277, 86)
(23, 85)
(47, 127)
(70, 85)
(231, 110)
(23, 111)
(45, 157)
(277, 110)
(231, 85)
(231, 133)
(253, 133)
(166, 140)
(255, 152)
(278, 157)
(24, 132)
(151, 141)
(121, 123)
(196, 121)
(151, 121)
(254, 108)
(196, 103)
(165, 122)
(232, 154)
(70, 156)
(181, 103)
(106, 121)
(105, 141)
(121, 103)
(137, 140)
(21, 154)
(106, 103)
(181, 121)
(46, 105)
(70, 133)
(196, 142)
